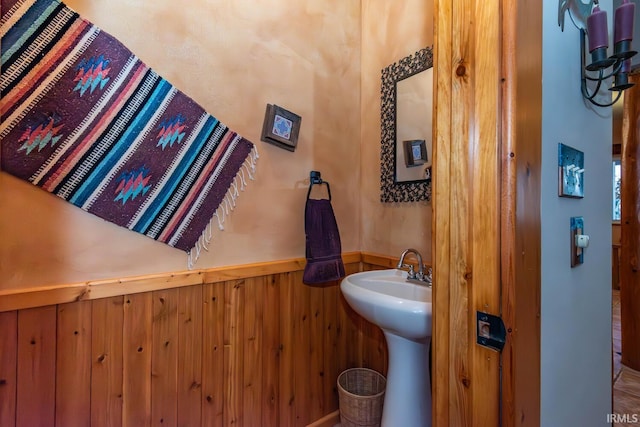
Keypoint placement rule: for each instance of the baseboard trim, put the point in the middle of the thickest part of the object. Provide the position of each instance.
(329, 420)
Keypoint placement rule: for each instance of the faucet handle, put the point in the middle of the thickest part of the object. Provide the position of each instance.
(425, 277)
(429, 276)
(411, 274)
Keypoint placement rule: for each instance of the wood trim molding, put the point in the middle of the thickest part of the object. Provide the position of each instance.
(520, 226)
(379, 260)
(387, 261)
(329, 420)
(16, 299)
(630, 244)
(442, 133)
(508, 220)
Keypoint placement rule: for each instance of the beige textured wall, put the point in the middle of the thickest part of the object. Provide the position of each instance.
(233, 57)
(391, 30)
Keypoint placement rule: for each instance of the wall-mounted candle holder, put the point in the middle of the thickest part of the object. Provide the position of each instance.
(597, 34)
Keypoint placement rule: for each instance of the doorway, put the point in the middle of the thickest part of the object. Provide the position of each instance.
(626, 381)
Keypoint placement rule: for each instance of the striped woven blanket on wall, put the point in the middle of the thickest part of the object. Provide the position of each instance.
(83, 118)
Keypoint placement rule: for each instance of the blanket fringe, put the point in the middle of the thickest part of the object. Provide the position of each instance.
(227, 205)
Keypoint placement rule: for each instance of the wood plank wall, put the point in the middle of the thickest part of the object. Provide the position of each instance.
(466, 240)
(520, 232)
(263, 350)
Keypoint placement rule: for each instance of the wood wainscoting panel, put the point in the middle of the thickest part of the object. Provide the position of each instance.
(330, 359)
(316, 351)
(256, 350)
(300, 347)
(252, 360)
(189, 355)
(287, 413)
(36, 370)
(271, 350)
(213, 312)
(164, 366)
(136, 359)
(233, 348)
(73, 364)
(107, 325)
(8, 365)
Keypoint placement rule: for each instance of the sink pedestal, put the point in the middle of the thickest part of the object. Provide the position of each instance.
(403, 310)
(407, 399)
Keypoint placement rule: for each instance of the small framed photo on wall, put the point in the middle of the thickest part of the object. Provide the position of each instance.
(415, 152)
(570, 172)
(281, 127)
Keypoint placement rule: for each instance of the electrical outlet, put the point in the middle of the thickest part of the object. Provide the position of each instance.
(577, 253)
(490, 331)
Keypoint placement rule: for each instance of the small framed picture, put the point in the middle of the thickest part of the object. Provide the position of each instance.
(281, 127)
(570, 172)
(415, 152)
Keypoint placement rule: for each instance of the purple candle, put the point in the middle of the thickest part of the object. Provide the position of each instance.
(623, 29)
(597, 29)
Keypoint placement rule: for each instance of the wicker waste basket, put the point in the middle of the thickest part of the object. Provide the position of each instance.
(361, 393)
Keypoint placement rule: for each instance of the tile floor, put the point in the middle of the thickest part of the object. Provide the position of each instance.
(626, 386)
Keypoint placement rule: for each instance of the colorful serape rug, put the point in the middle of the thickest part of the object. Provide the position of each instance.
(83, 118)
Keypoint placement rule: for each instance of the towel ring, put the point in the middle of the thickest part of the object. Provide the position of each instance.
(316, 178)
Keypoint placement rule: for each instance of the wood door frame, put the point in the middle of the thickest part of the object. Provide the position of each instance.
(630, 227)
(486, 220)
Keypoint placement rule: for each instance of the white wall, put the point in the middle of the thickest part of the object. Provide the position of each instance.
(576, 302)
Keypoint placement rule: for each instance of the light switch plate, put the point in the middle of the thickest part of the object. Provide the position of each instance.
(577, 254)
(570, 172)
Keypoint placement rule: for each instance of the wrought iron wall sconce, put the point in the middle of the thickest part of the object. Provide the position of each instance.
(602, 67)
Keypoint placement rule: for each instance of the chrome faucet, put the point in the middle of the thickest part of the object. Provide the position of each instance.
(411, 274)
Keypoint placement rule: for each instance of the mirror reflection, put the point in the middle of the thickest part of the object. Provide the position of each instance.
(414, 110)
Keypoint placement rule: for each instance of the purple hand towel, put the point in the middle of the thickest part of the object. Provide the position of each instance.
(323, 248)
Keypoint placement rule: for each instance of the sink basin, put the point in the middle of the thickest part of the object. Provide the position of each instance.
(402, 310)
(385, 298)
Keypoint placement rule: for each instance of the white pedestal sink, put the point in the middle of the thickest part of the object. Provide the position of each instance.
(403, 311)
